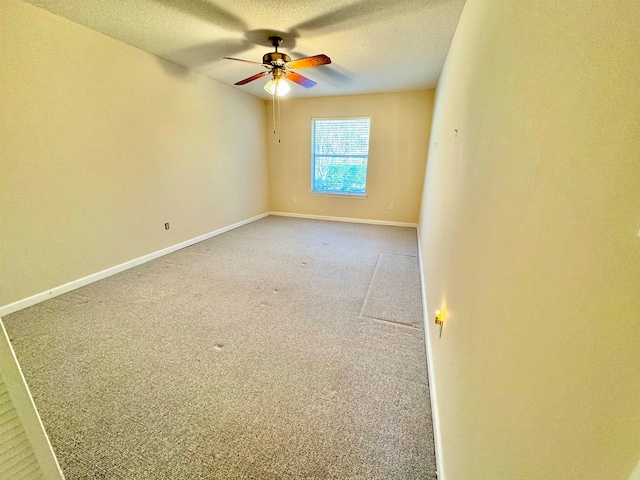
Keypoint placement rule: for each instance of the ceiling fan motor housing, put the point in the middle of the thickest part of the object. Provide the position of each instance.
(276, 58)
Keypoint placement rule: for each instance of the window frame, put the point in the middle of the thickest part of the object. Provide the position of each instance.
(312, 169)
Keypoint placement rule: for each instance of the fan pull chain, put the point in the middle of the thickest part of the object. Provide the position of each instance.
(273, 111)
(278, 109)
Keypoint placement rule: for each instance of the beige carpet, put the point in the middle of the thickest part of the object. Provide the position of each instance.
(250, 355)
(392, 292)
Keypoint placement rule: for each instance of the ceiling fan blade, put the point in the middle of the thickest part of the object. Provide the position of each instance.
(251, 79)
(246, 61)
(309, 62)
(300, 80)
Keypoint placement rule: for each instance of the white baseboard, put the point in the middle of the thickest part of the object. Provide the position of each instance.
(94, 277)
(435, 415)
(344, 219)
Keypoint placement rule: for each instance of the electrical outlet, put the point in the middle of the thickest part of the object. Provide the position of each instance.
(166, 226)
(295, 200)
(391, 206)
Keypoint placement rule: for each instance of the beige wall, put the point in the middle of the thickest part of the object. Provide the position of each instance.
(528, 231)
(101, 144)
(400, 126)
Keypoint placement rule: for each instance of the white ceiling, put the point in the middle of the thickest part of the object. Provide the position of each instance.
(375, 45)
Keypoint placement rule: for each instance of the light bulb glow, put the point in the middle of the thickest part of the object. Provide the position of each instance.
(277, 86)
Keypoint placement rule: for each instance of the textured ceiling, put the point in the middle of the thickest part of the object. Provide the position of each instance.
(375, 45)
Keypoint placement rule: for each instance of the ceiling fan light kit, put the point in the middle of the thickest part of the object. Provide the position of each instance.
(277, 86)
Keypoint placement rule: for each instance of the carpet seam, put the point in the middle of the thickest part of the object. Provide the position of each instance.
(394, 322)
(364, 301)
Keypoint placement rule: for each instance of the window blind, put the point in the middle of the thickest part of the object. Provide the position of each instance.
(340, 151)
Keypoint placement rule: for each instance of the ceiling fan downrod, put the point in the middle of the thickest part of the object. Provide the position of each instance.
(276, 42)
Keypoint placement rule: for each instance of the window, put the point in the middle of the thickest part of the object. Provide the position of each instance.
(339, 154)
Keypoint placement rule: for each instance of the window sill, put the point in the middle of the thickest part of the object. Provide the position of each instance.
(361, 196)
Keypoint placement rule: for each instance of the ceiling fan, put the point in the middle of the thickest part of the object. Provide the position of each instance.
(280, 66)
